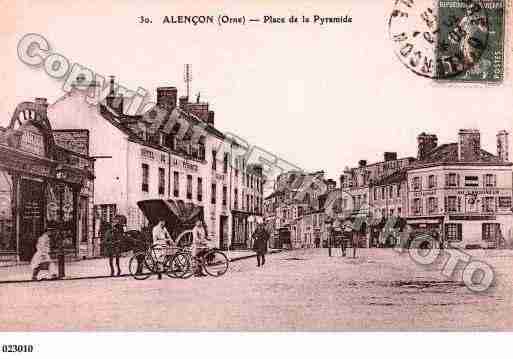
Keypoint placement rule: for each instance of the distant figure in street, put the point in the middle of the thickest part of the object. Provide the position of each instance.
(41, 259)
(113, 243)
(343, 244)
(260, 239)
(317, 242)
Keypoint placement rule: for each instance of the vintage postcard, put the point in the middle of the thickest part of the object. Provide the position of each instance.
(253, 166)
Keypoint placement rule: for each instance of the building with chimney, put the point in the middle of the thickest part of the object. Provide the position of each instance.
(370, 187)
(460, 192)
(293, 212)
(171, 151)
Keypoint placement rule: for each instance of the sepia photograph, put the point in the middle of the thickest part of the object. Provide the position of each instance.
(251, 167)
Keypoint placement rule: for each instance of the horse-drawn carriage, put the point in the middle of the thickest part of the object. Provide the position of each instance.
(176, 260)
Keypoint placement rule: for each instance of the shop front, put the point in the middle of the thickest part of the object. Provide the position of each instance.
(40, 187)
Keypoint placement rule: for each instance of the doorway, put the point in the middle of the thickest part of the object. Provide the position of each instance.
(223, 232)
(31, 217)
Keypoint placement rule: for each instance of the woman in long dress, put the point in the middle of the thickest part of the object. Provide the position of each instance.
(41, 259)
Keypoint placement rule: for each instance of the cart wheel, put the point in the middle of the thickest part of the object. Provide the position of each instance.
(177, 266)
(138, 267)
(215, 263)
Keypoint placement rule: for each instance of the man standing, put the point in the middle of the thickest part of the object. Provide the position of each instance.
(113, 243)
(260, 240)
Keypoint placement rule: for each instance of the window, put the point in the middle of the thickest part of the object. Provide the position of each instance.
(398, 211)
(390, 192)
(431, 181)
(398, 190)
(417, 206)
(225, 192)
(7, 222)
(145, 177)
(375, 193)
(201, 149)
(236, 198)
(382, 192)
(214, 160)
(451, 180)
(491, 232)
(200, 189)
(490, 180)
(189, 187)
(453, 232)
(213, 194)
(417, 183)
(247, 203)
(471, 181)
(489, 204)
(452, 204)
(432, 205)
(176, 184)
(162, 180)
(225, 163)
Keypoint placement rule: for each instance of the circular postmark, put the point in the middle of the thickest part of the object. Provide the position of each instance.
(438, 38)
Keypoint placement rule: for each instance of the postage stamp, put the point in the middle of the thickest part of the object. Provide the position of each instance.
(456, 40)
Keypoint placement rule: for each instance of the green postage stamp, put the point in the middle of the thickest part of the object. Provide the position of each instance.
(450, 40)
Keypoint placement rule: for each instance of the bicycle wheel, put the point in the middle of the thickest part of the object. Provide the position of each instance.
(178, 265)
(215, 263)
(138, 267)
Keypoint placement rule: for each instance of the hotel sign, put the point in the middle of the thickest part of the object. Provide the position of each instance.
(182, 163)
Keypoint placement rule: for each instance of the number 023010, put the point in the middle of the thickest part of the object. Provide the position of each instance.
(17, 348)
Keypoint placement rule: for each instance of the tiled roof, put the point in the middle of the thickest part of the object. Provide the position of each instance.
(448, 153)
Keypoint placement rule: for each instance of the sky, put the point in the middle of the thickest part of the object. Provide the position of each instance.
(321, 97)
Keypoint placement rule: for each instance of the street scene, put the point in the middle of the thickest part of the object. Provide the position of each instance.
(241, 170)
(297, 290)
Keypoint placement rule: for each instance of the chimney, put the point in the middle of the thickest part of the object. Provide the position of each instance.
(41, 103)
(210, 119)
(469, 145)
(116, 103)
(362, 163)
(390, 156)
(343, 181)
(426, 142)
(166, 97)
(503, 146)
(111, 90)
(331, 184)
(183, 102)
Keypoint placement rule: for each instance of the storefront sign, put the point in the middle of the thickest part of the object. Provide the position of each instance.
(479, 191)
(73, 140)
(470, 217)
(32, 141)
(424, 193)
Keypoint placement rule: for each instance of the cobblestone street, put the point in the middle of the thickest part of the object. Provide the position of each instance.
(296, 290)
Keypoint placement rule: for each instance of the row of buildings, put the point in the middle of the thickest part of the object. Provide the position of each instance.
(172, 151)
(458, 192)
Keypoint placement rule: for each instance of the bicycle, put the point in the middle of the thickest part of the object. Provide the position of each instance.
(158, 259)
(214, 262)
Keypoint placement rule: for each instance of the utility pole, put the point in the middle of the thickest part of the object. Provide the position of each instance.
(187, 77)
